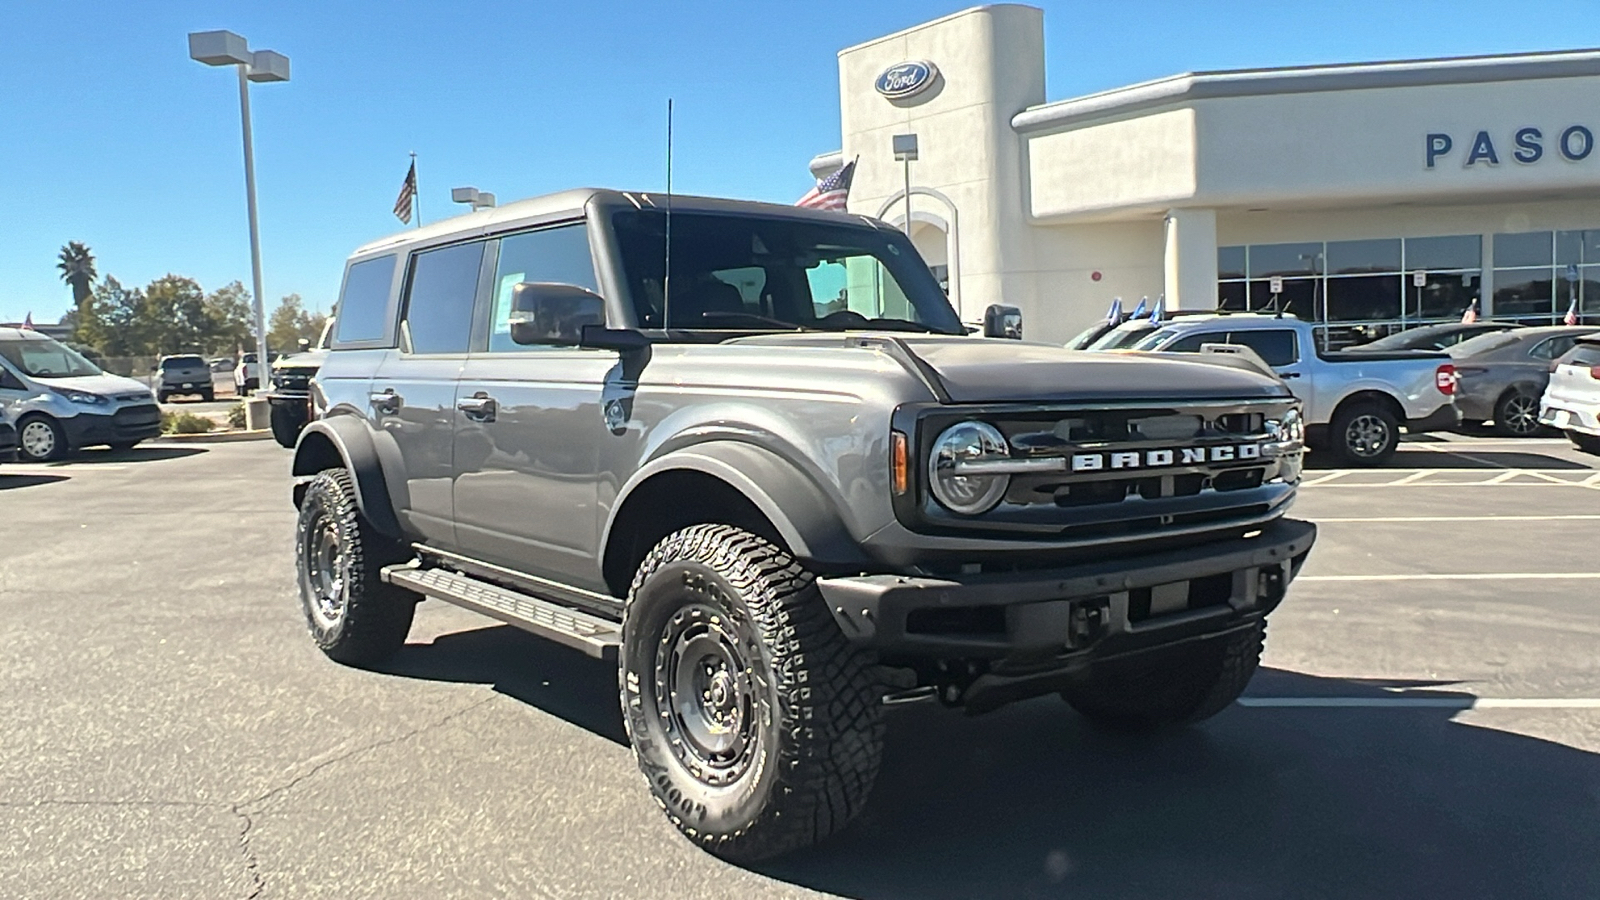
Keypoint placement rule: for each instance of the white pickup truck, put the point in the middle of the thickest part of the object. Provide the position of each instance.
(1355, 403)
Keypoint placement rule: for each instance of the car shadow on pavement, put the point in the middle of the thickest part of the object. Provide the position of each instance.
(1032, 801)
(8, 482)
(543, 674)
(141, 453)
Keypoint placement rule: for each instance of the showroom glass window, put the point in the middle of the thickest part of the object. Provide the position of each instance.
(1356, 290)
(439, 298)
(1531, 269)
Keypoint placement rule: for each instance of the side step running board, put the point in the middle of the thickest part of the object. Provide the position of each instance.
(593, 635)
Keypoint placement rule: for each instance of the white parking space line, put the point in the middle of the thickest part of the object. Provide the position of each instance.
(1571, 518)
(1496, 477)
(1323, 479)
(59, 468)
(1462, 576)
(1419, 702)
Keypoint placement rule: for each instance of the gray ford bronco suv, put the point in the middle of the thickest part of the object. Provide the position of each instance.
(771, 475)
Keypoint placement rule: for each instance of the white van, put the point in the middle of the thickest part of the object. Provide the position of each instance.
(60, 401)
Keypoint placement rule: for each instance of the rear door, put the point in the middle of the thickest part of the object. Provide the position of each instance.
(413, 391)
(529, 425)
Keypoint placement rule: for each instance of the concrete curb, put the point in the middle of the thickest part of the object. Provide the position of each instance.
(218, 437)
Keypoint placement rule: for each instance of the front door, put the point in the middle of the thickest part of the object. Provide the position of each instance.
(529, 426)
(1280, 349)
(413, 393)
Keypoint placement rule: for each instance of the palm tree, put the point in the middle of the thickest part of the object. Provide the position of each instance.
(77, 270)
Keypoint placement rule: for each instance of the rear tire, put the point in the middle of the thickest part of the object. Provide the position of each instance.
(354, 616)
(162, 396)
(1517, 414)
(1194, 683)
(209, 396)
(1364, 434)
(756, 724)
(1588, 443)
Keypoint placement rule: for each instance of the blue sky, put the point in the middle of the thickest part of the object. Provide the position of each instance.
(110, 135)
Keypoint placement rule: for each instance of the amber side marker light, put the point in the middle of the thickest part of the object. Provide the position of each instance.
(900, 476)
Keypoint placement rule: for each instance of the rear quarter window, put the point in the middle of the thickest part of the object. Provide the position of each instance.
(1583, 355)
(365, 316)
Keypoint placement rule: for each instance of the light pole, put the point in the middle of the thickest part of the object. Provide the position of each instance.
(224, 48)
(905, 150)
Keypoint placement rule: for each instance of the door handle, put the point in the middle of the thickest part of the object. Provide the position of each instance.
(386, 401)
(480, 407)
(1288, 374)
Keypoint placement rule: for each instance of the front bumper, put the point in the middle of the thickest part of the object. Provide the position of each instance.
(1036, 628)
(126, 425)
(1570, 417)
(1444, 418)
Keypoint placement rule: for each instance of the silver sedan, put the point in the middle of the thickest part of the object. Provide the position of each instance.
(1501, 376)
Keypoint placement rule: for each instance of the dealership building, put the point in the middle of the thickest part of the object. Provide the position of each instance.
(1370, 194)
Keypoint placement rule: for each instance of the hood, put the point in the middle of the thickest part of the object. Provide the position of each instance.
(310, 359)
(105, 384)
(988, 370)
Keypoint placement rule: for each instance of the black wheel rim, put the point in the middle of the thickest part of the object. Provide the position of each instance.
(704, 693)
(326, 576)
(1522, 414)
(1367, 435)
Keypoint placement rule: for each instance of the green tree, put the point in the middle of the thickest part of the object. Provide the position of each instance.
(175, 318)
(109, 321)
(233, 319)
(290, 324)
(78, 271)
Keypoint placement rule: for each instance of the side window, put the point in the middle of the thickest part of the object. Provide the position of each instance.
(439, 299)
(1554, 347)
(1275, 346)
(559, 255)
(364, 302)
(1191, 344)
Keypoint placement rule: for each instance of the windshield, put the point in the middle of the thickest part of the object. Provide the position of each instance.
(1483, 343)
(1086, 338)
(1150, 341)
(45, 358)
(1123, 336)
(1400, 340)
(747, 273)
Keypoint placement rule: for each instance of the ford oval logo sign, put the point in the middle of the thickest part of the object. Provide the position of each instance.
(906, 79)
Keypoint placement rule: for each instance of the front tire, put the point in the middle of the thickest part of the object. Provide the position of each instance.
(354, 616)
(1191, 684)
(1588, 443)
(286, 425)
(756, 724)
(41, 439)
(1364, 434)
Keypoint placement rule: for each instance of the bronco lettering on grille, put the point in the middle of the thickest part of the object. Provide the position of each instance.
(1157, 459)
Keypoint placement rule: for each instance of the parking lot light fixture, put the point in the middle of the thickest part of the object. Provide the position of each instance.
(224, 48)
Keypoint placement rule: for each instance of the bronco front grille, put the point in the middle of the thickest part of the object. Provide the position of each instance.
(1127, 473)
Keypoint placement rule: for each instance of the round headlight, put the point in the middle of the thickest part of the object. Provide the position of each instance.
(969, 495)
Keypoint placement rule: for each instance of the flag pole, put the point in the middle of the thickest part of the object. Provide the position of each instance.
(416, 189)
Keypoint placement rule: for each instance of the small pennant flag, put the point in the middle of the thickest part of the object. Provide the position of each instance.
(1471, 315)
(27, 321)
(1114, 314)
(408, 195)
(1571, 317)
(1141, 309)
(1159, 311)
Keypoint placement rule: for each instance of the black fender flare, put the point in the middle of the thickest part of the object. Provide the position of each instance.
(343, 440)
(802, 511)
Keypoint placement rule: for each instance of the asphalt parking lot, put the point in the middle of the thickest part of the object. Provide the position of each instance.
(1426, 722)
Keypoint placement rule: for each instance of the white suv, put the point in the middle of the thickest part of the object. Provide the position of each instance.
(1572, 399)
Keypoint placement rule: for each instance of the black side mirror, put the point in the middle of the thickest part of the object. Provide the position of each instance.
(547, 313)
(1002, 322)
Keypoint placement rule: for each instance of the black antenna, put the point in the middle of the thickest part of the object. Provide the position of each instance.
(666, 275)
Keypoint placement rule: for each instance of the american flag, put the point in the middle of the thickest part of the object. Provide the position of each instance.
(27, 321)
(1571, 318)
(408, 194)
(830, 192)
(1471, 315)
